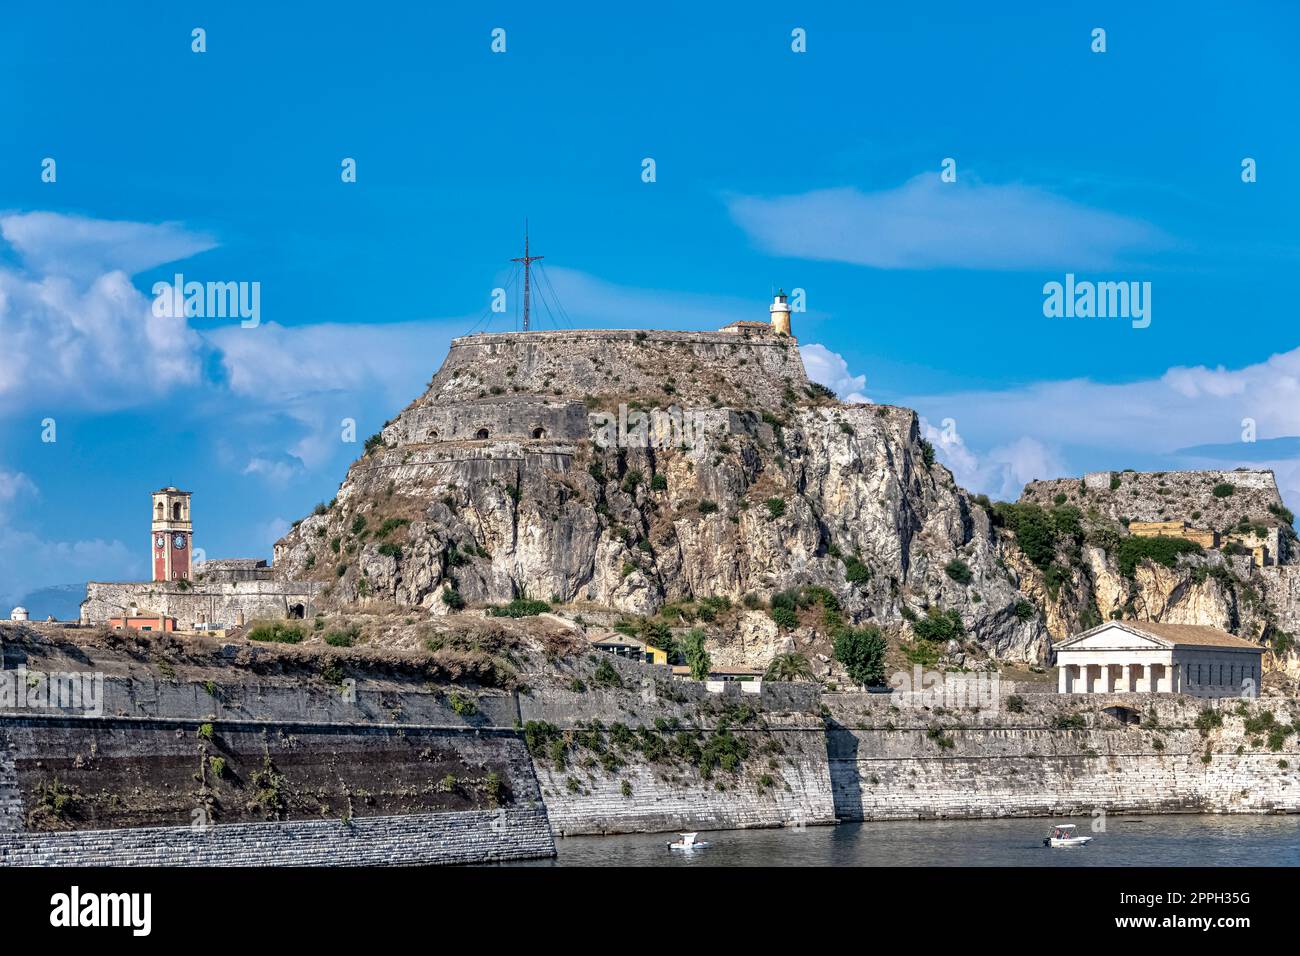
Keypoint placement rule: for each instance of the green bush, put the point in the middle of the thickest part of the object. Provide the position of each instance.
(605, 675)
(276, 632)
(1223, 490)
(1282, 512)
(463, 706)
(785, 618)
(1024, 611)
(659, 483)
(519, 607)
(959, 571)
(862, 652)
(939, 626)
(452, 598)
(1208, 720)
(344, 638)
(855, 571)
(390, 550)
(927, 453)
(776, 507)
(708, 507)
(1161, 550)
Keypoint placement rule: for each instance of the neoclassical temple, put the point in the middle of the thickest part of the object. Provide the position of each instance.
(1139, 657)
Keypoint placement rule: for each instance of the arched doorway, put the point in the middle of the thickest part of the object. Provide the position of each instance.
(296, 612)
(481, 434)
(539, 432)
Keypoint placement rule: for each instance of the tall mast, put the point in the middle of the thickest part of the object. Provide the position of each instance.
(527, 260)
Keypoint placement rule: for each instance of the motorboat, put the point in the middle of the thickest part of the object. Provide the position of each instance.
(688, 843)
(1066, 834)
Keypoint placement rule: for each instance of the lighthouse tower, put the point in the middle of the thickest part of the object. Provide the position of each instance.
(172, 535)
(780, 312)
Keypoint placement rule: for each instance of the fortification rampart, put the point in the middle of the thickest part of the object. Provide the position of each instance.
(1165, 496)
(690, 368)
(1055, 757)
(216, 603)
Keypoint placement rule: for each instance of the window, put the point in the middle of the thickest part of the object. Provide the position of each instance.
(176, 511)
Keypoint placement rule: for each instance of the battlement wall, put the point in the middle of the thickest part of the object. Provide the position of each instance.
(217, 602)
(686, 368)
(1165, 496)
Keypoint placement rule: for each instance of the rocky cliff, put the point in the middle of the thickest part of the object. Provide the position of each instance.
(629, 473)
(743, 480)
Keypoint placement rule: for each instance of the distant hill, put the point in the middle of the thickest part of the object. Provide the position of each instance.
(61, 600)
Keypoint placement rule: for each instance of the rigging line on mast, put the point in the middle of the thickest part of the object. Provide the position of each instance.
(485, 318)
(555, 297)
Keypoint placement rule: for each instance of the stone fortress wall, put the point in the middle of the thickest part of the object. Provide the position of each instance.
(1164, 495)
(225, 603)
(840, 756)
(1060, 756)
(703, 369)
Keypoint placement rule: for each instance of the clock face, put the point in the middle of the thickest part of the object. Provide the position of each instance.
(178, 542)
(160, 542)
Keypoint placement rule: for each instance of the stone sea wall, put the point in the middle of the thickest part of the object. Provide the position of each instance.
(787, 784)
(1057, 757)
(517, 833)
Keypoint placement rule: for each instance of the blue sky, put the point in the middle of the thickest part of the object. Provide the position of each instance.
(817, 170)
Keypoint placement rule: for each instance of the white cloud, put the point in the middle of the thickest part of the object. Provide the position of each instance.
(75, 331)
(311, 377)
(929, 224)
(279, 472)
(84, 249)
(830, 369)
(1002, 471)
(1168, 417)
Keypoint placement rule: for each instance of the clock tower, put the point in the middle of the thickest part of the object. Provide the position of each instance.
(172, 535)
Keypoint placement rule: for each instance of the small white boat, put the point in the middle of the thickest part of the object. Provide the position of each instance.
(1064, 834)
(688, 842)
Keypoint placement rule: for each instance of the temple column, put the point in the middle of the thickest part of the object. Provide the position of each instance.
(1125, 678)
(1063, 679)
(1107, 680)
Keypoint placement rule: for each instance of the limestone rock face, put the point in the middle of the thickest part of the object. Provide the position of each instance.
(629, 470)
(794, 489)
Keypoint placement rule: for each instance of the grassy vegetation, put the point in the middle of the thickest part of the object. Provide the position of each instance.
(277, 632)
(939, 626)
(519, 607)
(344, 637)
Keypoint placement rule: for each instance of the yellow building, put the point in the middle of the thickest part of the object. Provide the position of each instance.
(1174, 529)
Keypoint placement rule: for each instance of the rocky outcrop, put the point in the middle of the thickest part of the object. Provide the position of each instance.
(628, 471)
(794, 490)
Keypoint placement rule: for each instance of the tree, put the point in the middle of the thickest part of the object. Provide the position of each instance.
(862, 652)
(697, 658)
(788, 667)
